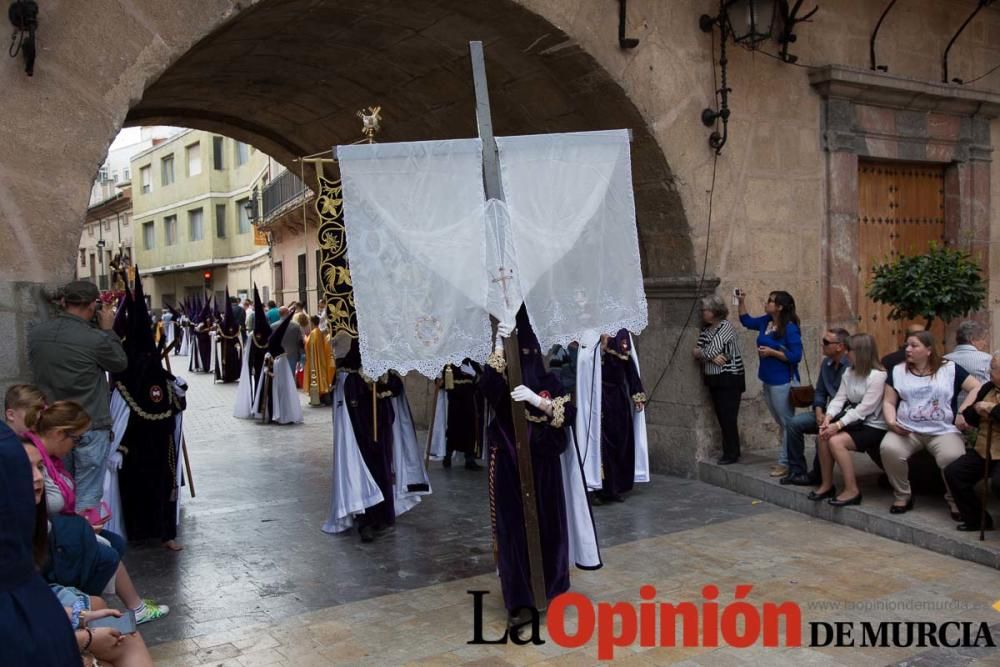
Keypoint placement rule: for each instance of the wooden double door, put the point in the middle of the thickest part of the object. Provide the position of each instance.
(900, 213)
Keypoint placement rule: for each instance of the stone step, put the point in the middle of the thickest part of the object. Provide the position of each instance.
(928, 525)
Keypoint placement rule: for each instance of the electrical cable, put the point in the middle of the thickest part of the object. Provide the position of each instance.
(704, 264)
(981, 76)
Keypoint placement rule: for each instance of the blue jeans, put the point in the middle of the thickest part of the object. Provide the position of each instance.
(776, 397)
(796, 429)
(86, 463)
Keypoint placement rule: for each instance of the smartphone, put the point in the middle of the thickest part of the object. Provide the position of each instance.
(124, 624)
(737, 293)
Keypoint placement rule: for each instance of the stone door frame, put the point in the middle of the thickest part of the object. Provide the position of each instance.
(869, 114)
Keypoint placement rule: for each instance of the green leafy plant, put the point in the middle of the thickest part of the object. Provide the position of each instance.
(942, 284)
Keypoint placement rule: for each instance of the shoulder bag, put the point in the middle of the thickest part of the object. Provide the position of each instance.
(801, 396)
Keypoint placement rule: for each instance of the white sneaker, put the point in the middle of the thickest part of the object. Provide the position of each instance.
(150, 611)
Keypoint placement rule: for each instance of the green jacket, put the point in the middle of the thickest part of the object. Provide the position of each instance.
(70, 359)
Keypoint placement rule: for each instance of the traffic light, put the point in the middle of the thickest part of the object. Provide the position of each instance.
(208, 279)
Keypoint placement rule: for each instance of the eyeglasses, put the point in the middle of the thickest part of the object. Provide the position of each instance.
(829, 342)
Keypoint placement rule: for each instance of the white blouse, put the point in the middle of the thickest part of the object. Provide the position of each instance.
(865, 394)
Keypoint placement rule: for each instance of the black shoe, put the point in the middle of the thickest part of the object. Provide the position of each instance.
(446, 461)
(472, 465)
(957, 516)
(367, 534)
(856, 500)
(901, 509)
(796, 480)
(829, 493)
(595, 499)
(727, 460)
(969, 527)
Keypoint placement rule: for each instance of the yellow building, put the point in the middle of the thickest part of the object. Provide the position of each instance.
(192, 224)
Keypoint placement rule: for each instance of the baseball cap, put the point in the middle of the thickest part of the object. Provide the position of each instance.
(80, 292)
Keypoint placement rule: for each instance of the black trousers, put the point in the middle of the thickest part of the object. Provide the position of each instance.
(962, 475)
(726, 401)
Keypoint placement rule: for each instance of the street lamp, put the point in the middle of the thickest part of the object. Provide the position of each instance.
(747, 21)
(252, 207)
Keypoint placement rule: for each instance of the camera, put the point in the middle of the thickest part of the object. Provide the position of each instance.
(737, 293)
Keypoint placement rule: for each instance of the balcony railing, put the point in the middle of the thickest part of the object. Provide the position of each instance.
(282, 191)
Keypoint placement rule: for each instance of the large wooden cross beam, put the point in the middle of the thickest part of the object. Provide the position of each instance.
(512, 349)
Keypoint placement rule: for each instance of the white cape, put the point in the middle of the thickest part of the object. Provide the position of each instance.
(112, 495)
(584, 551)
(439, 444)
(353, 488)
(588, 417)
(286, 408)
(244, 390)
(185, 334)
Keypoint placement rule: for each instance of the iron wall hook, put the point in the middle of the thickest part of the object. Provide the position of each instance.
(623, 41)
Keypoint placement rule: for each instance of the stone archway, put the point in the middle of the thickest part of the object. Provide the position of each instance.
(288, 76)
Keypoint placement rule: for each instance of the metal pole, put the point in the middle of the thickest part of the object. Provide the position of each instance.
(512, 349)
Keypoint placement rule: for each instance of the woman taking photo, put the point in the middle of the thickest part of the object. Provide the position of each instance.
(779, 346)
(721, 359)
(856, 424)
(921, 413)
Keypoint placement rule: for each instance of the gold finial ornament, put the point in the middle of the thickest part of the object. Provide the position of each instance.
(371, 121)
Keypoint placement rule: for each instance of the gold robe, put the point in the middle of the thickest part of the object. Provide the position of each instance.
(320, 367)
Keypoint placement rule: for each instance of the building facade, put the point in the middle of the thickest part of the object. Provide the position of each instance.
(107, 231)
(193, 229)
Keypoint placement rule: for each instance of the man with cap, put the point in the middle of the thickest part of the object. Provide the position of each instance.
(70, 356)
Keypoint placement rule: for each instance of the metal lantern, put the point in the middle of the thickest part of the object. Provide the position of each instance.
(750, 21)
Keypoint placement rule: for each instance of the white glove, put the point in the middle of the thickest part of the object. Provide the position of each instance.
(522, 393)
(504, 330)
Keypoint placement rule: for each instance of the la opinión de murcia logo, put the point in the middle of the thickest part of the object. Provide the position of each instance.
(707, 624)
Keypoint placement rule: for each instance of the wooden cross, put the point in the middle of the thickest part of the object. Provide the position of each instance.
(512, 349)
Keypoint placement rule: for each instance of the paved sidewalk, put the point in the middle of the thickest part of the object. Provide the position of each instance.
(259, 583)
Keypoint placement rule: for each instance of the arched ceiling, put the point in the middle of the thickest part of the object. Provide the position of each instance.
(289, 76)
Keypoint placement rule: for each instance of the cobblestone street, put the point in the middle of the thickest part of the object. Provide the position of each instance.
(259, 584)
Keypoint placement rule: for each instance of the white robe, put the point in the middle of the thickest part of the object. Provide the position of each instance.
(353, 487)
(286, 407)
(588, 418)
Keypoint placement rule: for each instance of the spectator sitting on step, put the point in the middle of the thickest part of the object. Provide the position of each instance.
(79, 557)
(899, 356)
(831, 371)
(963, 473)
(106, 644)
(856, 424)
(921, 409)
(970, 343)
